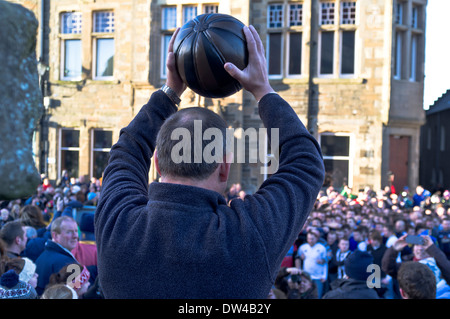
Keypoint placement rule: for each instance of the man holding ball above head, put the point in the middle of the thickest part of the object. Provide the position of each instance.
(179, 238)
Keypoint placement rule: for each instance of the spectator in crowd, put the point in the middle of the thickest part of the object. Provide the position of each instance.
(359, 239)
(23, 266)
(389, 237)
(14, 236)
(376, 248)
(355, 285)
(427, 254)
(416, 281)
(443, 236)
(307, 288)
(312, 256)
(73, 275)
(31, 215)
(337, 261)
(64, 180)
(400, 228)
(419, 196)
(11, 287)
(57, 253)
(293, 283)
(59, 291)
(5, 217)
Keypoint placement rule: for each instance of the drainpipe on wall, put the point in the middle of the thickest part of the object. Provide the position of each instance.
(313, 107)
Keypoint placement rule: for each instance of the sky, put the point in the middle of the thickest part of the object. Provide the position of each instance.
(437, 51)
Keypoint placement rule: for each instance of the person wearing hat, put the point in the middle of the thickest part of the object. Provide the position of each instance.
(13, 288)
(19, 279)
(355, 285)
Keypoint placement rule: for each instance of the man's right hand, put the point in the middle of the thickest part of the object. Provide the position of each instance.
(400, 243)
(254, 78)
(174, 80)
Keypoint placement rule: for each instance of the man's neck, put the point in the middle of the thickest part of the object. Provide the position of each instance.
(15, 250)
(15, 253)
(204, 183)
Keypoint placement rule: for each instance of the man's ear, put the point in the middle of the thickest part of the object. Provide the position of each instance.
(403, 294)
(224, 171)
(155, 157)
(224, 167)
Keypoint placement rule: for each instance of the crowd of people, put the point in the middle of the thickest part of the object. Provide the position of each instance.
(356, 245)
(47, 242)
(353, 245)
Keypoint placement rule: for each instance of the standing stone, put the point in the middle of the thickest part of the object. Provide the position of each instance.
(20, 101)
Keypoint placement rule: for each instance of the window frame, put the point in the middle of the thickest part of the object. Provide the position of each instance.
(399, 13)
(288, 55)
(415, 16)
(99, 36)
(93, 149)
(69, 36)
(186, 17)
(319, 53)
(167, 30)
(398, 63)
(284, 28)
(413, 58)
(69, 148)
(273, 75)
(338, 26)
(350, 156)
(341, 59)
(210, 8)
(179, 19)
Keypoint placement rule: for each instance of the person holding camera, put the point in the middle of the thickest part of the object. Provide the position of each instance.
(293, 283)
(425, 252)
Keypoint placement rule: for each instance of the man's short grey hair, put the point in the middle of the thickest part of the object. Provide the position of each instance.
(165, 143)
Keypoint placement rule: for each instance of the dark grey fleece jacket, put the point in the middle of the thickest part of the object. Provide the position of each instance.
(175, 241)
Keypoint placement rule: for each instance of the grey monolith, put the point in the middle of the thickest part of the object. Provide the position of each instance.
(20, 101)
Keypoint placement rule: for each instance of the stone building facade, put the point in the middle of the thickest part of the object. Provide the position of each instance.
(352, 70)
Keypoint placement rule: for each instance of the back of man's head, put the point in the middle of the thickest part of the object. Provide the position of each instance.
(191, 143)
(10, 231)
(416, 281)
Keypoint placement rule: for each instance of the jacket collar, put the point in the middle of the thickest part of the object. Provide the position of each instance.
(51, 245)
(195, 197)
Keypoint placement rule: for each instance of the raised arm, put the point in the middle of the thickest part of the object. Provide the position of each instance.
(125, 180)
(280, 207)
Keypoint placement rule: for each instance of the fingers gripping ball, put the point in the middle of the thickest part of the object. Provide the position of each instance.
(202, 46)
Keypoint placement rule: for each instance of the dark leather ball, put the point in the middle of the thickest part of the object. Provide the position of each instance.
(202, 47)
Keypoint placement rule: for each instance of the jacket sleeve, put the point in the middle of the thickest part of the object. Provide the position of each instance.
(441, 260)
(282, 204)
(125, 179)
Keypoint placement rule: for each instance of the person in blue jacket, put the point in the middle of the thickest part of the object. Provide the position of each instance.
(179, 238)
(57, 251)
